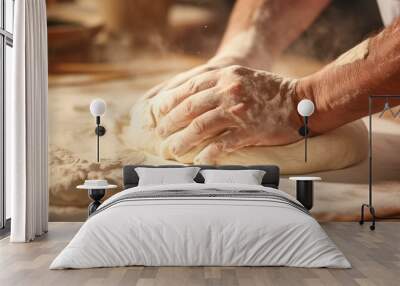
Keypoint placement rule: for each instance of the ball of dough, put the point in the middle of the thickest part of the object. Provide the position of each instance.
(337, 149)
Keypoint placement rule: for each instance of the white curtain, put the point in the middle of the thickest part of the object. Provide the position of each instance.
(26, 123)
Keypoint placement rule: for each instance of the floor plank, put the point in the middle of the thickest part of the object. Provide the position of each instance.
(375, 257)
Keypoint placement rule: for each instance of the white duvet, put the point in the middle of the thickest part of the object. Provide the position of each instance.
(200, 231)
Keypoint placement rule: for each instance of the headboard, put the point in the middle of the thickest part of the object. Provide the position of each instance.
(270, 179)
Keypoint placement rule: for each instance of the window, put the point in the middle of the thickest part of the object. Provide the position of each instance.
(6, 44)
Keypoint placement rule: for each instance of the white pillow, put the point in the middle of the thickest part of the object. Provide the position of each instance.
(248, 177)
(163, 176)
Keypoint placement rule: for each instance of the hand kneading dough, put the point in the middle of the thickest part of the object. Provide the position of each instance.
(337, 149)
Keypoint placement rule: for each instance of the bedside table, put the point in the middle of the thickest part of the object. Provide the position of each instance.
(305, 190)
(96, 194)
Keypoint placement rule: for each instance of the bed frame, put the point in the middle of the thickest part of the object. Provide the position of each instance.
(270, 179)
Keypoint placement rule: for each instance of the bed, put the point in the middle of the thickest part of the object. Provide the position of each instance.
(198, 224)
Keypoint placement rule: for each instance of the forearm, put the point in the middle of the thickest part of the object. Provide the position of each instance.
(259, 30)
(340, 91)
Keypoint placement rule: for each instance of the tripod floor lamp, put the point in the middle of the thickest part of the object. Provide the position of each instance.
(388, 109)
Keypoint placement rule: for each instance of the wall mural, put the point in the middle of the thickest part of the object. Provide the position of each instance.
(135, 56)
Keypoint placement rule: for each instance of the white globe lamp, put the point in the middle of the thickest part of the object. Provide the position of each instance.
(305, 107)
(98, 107)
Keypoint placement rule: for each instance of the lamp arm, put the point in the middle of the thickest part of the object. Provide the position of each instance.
(98, 138)
(305, 137)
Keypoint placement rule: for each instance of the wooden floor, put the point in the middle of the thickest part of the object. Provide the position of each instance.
(375, 257)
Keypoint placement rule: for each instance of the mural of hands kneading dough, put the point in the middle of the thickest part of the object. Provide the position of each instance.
(231, 110)
(238, 107)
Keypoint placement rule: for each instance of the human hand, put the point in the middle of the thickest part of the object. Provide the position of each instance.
(227, 108)
(217, 62)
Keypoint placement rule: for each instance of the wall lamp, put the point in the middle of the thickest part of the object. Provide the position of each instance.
(97, 109)
(305, 108)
